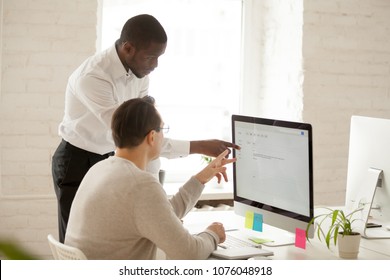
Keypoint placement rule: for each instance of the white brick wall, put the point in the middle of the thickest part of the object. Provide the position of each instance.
(346, 67)
(41, 43)
(346, 61)
(281, 59)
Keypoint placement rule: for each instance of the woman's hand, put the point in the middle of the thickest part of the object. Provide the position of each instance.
(215, 168)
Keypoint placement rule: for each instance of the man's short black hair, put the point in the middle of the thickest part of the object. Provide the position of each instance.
(143, 29)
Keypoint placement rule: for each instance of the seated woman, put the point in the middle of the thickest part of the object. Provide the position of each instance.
(121, 211)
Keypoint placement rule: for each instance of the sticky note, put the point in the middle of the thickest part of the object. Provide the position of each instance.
(260, 240)
(300, 238)
(258, 222)
(249, 216)
(253, 221)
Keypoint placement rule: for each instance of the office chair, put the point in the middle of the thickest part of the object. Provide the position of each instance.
(64, 252)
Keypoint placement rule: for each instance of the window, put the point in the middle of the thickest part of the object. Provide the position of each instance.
(197, 82)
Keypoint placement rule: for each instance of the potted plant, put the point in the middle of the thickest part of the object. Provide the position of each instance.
(340, 229)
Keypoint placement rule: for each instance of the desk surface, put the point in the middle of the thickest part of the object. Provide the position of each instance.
(315, 250)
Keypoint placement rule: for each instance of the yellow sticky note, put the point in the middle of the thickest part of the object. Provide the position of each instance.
(249, 217)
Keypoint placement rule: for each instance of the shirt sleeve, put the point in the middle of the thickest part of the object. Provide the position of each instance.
(102, 98)
(186, 198)
(97, 95)
(175, 148)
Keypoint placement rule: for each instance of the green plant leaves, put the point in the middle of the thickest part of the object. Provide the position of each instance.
(12, 251)
(339, 223)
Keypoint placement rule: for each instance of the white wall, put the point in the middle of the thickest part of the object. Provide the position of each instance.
(346, 61)
(346, 68)
(42, 42)
(272, 57)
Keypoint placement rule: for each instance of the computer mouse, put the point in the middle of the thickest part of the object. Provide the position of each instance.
(388, 227)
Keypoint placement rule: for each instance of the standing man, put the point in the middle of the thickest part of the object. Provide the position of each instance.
(94, 91)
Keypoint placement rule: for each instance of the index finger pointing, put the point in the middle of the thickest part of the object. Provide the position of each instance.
(222, 155)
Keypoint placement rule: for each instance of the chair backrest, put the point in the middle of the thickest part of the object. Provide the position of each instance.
(61, 251)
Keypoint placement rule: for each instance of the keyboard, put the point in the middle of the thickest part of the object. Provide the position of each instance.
(235, 242)
(235, 248)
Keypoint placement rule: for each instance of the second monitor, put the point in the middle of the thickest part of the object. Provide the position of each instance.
(368, 183)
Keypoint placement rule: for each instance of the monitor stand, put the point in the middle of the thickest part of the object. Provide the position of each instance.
(365, 201)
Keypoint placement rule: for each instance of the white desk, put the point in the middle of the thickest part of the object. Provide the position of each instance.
(315, 250)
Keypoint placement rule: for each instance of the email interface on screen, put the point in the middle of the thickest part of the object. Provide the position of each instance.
(273, 168)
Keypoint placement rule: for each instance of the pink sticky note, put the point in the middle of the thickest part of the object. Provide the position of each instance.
(300, 238)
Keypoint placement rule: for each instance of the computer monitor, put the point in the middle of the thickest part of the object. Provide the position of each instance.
(368, 177)
(273, 175)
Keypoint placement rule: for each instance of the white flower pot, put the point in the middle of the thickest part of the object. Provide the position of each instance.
(348, 245)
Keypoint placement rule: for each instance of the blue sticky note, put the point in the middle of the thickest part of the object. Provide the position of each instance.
(257, 222)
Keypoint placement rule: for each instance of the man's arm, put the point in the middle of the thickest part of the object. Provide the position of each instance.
(181, 148)
(211, 147)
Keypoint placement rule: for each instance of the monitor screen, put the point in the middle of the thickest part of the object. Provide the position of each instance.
(273, 174)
